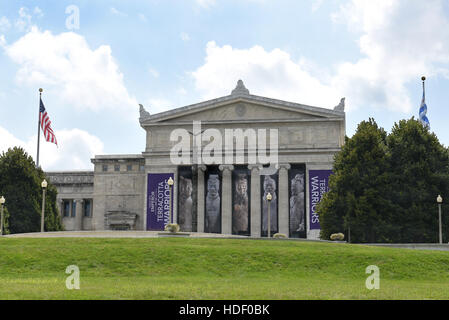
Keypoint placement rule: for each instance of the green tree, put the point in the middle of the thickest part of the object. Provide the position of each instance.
(420, 171)
(359, 189)
(20, 184)
(385, 187)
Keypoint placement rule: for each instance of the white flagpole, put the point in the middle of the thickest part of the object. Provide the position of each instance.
(39, 127)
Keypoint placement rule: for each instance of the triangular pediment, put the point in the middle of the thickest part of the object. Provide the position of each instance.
(243, 107)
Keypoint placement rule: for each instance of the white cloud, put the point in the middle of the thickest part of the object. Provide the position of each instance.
(210, 3)
(154, 73)
(23, 23)
(157, 105)
(182, 91)
(399, 41)
(272, 74)
(38, 12)
(8, 140)
(4, 24)
(82, 77)
(116, 12)
(184, 36)
(316, 4)
(76, 148)
(205, 3)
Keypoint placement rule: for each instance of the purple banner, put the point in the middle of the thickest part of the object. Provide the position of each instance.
(318, 186)
(158, 201)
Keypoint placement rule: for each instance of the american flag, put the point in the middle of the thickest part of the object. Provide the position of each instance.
(46, 125)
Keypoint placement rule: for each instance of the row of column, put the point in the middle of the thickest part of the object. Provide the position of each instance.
(256, 212)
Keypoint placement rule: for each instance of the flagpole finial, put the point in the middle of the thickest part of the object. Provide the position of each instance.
(40, 90)
(423, 78)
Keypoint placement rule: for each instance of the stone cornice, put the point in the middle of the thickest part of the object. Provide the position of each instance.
(58, 178)
(251, 121)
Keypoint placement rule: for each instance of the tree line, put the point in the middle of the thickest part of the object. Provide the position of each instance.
(384, 186)
(20, 184)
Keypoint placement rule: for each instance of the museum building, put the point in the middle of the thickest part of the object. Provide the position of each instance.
(229, 186)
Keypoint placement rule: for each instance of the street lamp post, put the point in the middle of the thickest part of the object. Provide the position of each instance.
(44, 189)
(439, 201)
(2, 202)
(170, 183)
(269, 197)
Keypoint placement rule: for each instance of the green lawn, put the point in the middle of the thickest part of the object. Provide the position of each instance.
(183, 268)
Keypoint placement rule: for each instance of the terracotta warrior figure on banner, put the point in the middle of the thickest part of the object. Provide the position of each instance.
(297, 203)
(240, 208)
(213, 203)
(269, 186)
(185, 204)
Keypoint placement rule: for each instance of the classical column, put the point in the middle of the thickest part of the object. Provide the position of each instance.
(200, 199)
(284, 201)
(226, 199)
(61, 209)
(79, 214)
(255, 201)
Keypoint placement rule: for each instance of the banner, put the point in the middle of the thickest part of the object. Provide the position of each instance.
(158, 201)
(318, 186)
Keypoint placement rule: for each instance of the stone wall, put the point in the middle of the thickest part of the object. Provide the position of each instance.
(74, 187)
(119, 184)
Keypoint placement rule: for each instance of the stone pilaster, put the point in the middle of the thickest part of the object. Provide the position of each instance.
(79, 214)
(283, 204)
(174, 195)
(60, 208)
(255, 201)
(200, 200)
(226, 199)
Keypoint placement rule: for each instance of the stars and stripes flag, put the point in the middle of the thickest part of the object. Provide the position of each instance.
(46, 124)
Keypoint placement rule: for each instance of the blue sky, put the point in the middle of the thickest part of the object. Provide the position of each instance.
(167, 54)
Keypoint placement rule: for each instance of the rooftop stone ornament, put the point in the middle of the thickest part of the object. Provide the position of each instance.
(143, 113)
(240, 89)
(340, 106)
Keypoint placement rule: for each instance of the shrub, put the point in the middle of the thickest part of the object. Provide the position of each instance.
(337, 236)
(279, 236)
(172, 227)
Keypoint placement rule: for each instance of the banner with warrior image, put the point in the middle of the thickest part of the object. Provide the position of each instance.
(212, 223)
(241, 192)
(297, 203)
(269, 185)
(159, 209)
(185, 199)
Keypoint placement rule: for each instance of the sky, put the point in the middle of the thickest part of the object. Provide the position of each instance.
(97, 60)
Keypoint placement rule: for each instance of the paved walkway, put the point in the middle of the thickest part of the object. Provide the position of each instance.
(418, 246)
(141, 234)
(159, 234)
(118, 234)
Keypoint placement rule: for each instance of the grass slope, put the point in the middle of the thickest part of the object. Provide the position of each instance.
(171, 268)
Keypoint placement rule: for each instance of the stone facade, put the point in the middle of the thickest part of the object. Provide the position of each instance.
(308, 138)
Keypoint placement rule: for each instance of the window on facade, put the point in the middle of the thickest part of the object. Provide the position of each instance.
(117, 167)
(73, 208)
(129, 167)
(142, 168)
(87, 207)
(105, 168)
(66, 208)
